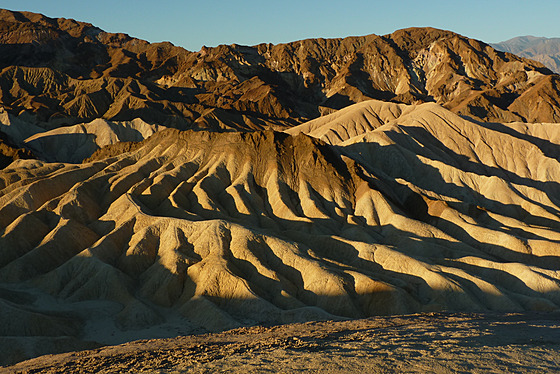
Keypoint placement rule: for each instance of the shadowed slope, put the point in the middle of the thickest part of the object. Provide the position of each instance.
(59, 78)
(63, 72)
(9, 153)
(200, 230)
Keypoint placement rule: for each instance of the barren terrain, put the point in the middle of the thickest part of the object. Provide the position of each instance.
(151, 192)
(430, 343)
(59, 73)
(381, 209)
(545, 50)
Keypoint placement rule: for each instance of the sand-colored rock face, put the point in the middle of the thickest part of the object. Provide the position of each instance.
(408, 209)
(69, 143)
(74, 143)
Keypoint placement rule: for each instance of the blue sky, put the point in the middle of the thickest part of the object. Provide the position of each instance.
(191, 24)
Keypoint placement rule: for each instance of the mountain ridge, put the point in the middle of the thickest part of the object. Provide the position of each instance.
(62, 72)
(544, 50)
(413, 209)
(175, 193)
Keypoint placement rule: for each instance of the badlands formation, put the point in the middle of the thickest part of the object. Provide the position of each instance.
(377, 209)
(148, 191)
(55, 73)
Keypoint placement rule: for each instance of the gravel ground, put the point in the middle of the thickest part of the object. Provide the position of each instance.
(422, 343)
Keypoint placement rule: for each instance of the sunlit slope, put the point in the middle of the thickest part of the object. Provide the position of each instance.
(60, 71)
(352, 121)
(497, 176)
(418, 210)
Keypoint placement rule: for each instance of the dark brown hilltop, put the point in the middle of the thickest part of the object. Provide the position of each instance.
(415, 172)
(63, 72)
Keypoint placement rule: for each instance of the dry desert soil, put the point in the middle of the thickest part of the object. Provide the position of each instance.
(258, 208)
(421, 343)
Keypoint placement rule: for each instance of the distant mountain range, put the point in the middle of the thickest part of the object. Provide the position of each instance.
(60, 72)
(544, 50)
(148, 191)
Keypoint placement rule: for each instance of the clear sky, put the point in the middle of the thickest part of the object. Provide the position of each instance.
(192, 24)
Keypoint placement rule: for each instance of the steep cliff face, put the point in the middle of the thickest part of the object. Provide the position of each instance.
(65, 72)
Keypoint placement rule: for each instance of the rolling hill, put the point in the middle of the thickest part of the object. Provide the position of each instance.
(148, 191)
(381, 209)
(59, 73)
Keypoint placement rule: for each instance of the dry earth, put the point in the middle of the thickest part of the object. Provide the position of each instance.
(427, 343)
(442, 197)
(382, 209)
(57, 72)
(544, 50)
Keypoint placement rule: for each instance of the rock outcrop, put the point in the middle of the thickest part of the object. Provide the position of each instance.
(396, 209)
(63, 72)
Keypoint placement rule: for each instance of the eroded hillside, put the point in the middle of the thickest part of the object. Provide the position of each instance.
(398, 209)
(61, 72)
(544, 50)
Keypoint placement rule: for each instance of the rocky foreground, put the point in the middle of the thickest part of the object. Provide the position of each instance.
(426, 343)
(150, 192)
